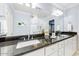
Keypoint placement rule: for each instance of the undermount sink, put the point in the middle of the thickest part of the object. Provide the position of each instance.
(27, 43)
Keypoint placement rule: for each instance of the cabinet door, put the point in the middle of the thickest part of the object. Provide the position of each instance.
(54, 53)
(68, 47)
(61, 48)
(56, 49)
(74, 43)
(39, 52)
(8, 50)
(50, 49)
(61, 44)
(61, 52)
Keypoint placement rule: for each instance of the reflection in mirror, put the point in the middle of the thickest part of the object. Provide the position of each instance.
(3, 26)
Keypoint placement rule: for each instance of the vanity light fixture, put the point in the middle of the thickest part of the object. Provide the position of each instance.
(57, 12)
(21, 3)
(28, 4)
(34, 5)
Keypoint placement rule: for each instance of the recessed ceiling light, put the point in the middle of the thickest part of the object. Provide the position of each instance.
(57, 12)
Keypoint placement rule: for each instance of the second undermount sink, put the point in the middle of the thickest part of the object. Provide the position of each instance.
(27, 43)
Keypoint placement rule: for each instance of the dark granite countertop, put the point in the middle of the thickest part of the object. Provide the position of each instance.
(13, 40)
(44, 43)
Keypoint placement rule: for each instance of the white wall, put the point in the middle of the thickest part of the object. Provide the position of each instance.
(71, 16)
(9, 19)
(14, 16)
(4, 17)
(24, 17)
(32, 25)
(59, 23)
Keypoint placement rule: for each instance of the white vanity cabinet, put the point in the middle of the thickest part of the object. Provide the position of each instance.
(54, 53)
(74, 43)
(55, 49)
(64, 48)
(8, 50)
(61, 48)
(58, 50)
(39, 52)
(51, 50)
(70, 46)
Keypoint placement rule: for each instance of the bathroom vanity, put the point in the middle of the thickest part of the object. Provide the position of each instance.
(37, 45)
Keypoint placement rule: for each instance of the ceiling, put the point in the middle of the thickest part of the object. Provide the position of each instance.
(51, 7)
(48, 7)
(65, 6)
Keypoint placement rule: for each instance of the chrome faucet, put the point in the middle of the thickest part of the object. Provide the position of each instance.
(28, 37)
